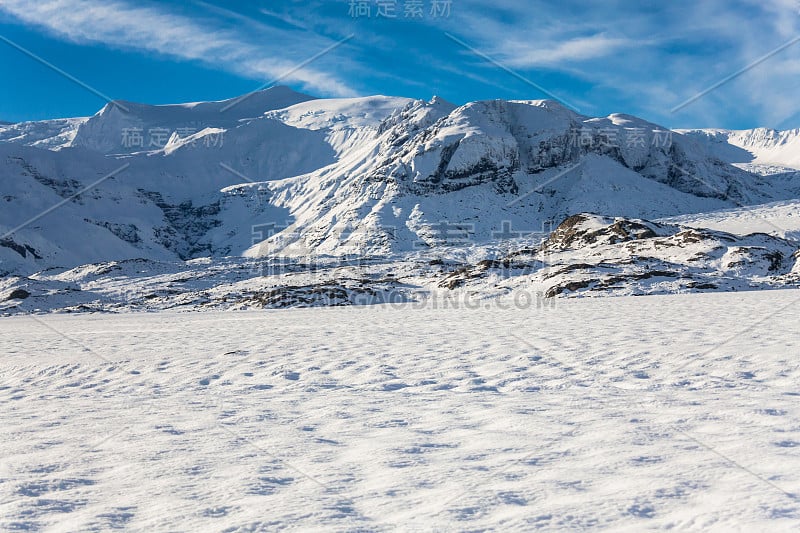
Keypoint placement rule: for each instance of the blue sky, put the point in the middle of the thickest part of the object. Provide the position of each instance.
(598, 57)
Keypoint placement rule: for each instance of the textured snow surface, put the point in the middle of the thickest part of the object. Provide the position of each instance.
(780, 218)
(671, 412)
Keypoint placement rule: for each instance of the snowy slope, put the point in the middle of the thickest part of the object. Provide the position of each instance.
(111, 129)
(109, 220)
(48, 134)
(626, 414)
(347, 122)
(761, 146)
(778, 218)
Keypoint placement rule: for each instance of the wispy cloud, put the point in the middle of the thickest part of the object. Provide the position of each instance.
(528, 54)
(157, 29)
(605, 57)
(651, 58)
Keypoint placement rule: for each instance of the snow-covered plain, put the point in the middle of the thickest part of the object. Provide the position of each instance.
(502, 395)
(670, 412)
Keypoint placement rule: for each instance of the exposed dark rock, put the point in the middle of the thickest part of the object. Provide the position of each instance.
(126, 232)
(18, 294)
(571, 286)
(66, 188)
(571, 233)
(21, 249)
(187, 226)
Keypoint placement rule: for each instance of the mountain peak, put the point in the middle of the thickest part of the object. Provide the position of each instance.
(249, 104)
(275, 93)
(438, 100)
(107, 131)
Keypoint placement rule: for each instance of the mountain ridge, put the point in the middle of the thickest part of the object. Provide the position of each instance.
(282, 174)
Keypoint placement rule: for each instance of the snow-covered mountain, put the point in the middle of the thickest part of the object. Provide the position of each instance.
(48, 134)
(127, 127)
(435, 174)
(281, 174)
(760, 146)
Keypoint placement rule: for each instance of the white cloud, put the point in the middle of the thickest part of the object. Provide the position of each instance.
(116, 23)
(570, 50)
(653, 58)
(619, 56)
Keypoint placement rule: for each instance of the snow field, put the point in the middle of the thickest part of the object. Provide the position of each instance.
(669, 412)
